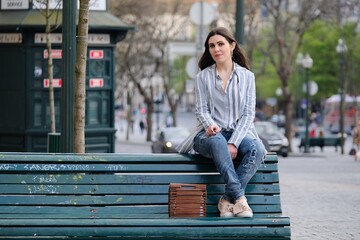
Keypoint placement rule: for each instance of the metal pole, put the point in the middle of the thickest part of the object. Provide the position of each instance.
(239, 33)
(341, 110)
(68, 63)
(306, 149)
(157, 117)
(299, 62)
(341, 48)
(157, 103)
(300, 93)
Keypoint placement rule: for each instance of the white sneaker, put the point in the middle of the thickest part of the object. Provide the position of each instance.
(242, 209)
(225, 208)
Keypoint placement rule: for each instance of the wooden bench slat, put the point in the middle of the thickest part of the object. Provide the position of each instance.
(184, 231)
(112, 200)
(51, 189)
(111, 157)
(70, 178)
(18, 217)
(279, 237)
(116, 168)
(110, 210)
(175, 222)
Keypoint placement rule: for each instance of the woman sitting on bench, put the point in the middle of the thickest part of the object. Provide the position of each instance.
(225, 108)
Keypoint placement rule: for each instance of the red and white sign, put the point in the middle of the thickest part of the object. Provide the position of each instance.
(96, 82)
(55, 53)
(96, 54)
(57, 83)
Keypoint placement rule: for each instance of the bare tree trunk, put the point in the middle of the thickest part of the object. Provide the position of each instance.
(174, 116)
(50, 69)
(148, 99)
(143, 55)
(80, 82)
(149, 113)
(289, 111)
(130, 120)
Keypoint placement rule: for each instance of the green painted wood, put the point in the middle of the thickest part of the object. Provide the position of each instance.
(51, 189)
(72, 178)
(121, 210)
(158, 211)
(149, 231)
(173, 222)
(84, 200)
(126, 195)
(147, 238)
(85, 167)
(194, 228)
(109, 157)
(121, 215)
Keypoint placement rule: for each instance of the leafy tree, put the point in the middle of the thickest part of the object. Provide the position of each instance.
(287, 22)
(352, 38)
(320, 41)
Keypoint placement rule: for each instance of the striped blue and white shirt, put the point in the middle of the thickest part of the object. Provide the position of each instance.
(231, 109)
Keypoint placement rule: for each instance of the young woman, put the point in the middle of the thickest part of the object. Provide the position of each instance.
(225, 109)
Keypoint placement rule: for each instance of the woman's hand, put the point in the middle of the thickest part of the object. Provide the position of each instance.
(232, 150)
(213, 129)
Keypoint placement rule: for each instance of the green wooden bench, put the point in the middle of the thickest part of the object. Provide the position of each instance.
(125, 196)
(321, 142)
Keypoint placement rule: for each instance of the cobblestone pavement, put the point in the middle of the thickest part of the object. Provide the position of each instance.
(320, 192)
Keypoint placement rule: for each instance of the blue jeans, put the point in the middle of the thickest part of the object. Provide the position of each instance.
(238, 172)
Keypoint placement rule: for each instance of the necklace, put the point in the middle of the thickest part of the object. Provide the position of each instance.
(223, 84)
(225, 76)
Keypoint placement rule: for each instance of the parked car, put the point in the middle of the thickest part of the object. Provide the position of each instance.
(168, 138)
(278, 120)
(275, 139)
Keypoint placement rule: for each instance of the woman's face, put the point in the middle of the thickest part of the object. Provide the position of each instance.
(220, 49)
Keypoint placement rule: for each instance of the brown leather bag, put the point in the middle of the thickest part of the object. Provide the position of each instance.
(187, 200)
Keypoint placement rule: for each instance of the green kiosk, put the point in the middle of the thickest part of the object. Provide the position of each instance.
(24, 83)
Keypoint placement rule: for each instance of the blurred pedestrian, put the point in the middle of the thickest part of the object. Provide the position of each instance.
(142, 125)
(356, 135)
(225, 108)
(356, 140)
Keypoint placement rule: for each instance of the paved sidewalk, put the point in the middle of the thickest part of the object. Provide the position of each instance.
(320, 192)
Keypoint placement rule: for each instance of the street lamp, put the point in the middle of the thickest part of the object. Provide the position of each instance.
(341, 49)
(158, 101)
(299, 62)
(307, 64)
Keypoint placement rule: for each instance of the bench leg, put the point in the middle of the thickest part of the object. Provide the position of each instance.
(301, 147)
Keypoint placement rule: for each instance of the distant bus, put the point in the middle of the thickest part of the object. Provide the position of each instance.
(332, 117)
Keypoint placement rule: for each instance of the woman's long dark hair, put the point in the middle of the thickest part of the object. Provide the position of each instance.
(238, 55)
